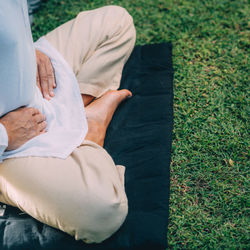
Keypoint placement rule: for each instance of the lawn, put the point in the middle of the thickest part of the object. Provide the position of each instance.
(209, 167)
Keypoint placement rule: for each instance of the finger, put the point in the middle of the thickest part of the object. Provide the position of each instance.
(40, 118)
(43, 80)
(42, 126)
(51, 77)
(43, 131)
(38, 80)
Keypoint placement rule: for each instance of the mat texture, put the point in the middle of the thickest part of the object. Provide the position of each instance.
(139, 137)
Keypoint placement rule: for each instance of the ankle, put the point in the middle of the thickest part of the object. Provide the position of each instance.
(96, 132)
(95, 140)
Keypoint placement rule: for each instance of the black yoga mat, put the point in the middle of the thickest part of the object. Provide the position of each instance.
(139, 137)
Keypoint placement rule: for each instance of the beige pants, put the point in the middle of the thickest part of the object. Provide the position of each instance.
(83, 195)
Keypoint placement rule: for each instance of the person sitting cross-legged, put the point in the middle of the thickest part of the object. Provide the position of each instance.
(57, 98)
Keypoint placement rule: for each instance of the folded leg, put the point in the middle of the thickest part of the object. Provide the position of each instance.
(83, 195)
(96, 44)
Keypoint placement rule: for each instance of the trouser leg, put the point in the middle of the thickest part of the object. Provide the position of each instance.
(96, 44)
(83, 195)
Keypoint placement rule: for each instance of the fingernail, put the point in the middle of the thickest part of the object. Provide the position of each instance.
(52, 93)
(47, 97)
(129, 96)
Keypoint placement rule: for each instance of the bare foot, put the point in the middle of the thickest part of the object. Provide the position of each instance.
(100, 112)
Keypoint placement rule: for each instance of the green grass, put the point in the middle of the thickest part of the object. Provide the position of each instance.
(208, 202)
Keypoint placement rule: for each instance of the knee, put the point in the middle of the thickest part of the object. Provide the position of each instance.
(97, 218)
(122, 14)
(119, 12)
(122, 18)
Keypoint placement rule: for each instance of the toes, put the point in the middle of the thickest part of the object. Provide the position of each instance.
(125, 93)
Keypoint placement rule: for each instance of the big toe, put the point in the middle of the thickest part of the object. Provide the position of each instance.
(124, 93)
(116, 96)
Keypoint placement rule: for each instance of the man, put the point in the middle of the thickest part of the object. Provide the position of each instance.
(54, 166)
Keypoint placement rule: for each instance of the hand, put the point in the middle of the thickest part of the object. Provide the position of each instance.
(22, 125)
(45, 75)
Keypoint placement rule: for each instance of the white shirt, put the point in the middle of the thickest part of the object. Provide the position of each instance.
(3, 140)
(17, 56)
(65, 115)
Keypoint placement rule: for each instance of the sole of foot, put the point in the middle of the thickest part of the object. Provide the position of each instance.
(100, 112)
